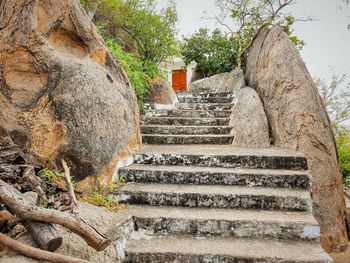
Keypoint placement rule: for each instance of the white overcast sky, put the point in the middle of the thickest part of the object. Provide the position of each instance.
(327, 40)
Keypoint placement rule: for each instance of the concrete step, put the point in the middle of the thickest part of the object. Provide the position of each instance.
(215, 196)
(217, 250)
(141, 173)
(189, 113)
(186, 130)
(187, 139)
(201, 222)
(205, 100)
(185, 121)
(204, 94)
(221, 156)
(207, 106)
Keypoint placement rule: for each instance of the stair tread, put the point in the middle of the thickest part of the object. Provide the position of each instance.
(174, 168)
(184, 126)
(227, 190)
(217, 150)
(181, 110)
(190, 118)
(232, 247)
(221, 214)
(190, 135)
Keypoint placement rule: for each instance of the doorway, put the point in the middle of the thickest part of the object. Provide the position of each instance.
(179, 80)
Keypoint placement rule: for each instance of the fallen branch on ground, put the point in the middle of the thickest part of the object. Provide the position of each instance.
(70, 188)
(10, 198)
(36, 253)
(44, 234)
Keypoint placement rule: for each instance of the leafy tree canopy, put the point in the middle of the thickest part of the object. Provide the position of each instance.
(138, 25)
(214, 53)
(245, 18)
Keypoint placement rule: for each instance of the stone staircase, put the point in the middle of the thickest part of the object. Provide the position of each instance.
(199, 119)
(196, 198)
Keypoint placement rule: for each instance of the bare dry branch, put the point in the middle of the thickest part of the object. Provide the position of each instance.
(36, 253)
(10, 198)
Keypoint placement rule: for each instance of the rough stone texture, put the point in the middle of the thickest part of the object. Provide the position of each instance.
(185, 130)
(216, 196)
(190, 113)
(185, 121)
(221, 156)
(62, 94)
(233, 82)
(298, 120)
(205, 106)
(202, 222)
(224, 82)
(226, 99)
(141, 173)
(249, 121)
(218, 250)
(187, 139)
(210, 84)
(160, 92)
(73, 245)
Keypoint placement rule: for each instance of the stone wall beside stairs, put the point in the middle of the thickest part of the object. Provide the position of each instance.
(298, 120)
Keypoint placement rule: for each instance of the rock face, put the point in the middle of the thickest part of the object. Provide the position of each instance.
(224, 82)
(248, 119)
(298, 120)
(161, 94)
(62, 94)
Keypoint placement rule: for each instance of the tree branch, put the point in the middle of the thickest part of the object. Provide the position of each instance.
(10, 198)
(36, 253)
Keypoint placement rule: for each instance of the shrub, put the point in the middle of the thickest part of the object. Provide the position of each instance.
(343, 144)
(214, 53)
(140, 72)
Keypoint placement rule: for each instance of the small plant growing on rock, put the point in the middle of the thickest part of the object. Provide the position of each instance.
(100, 197)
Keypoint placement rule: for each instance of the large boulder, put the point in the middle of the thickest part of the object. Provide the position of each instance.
(223, 82)
(298, 120)
(248, 119)
(161, 94)
(62, 94)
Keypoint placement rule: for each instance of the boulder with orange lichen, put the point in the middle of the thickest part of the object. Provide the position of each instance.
(62, 94)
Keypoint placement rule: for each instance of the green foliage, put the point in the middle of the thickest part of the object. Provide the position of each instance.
(139, 71)
(343, 144)
(100, 197)
(245, 18)
(138, 24)
(51, 175)
(214, 53)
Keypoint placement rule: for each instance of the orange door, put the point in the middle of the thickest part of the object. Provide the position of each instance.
(179, 80)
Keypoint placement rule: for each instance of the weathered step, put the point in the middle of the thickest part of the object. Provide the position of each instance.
(185, 121)
(205, 100)
(141, 173)
(207, 106)
(215, 196)
(199, 222)
(204, 94)
(221, 156)
(187, 139)
(186, 130)
(230, 250)
(189, 113)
